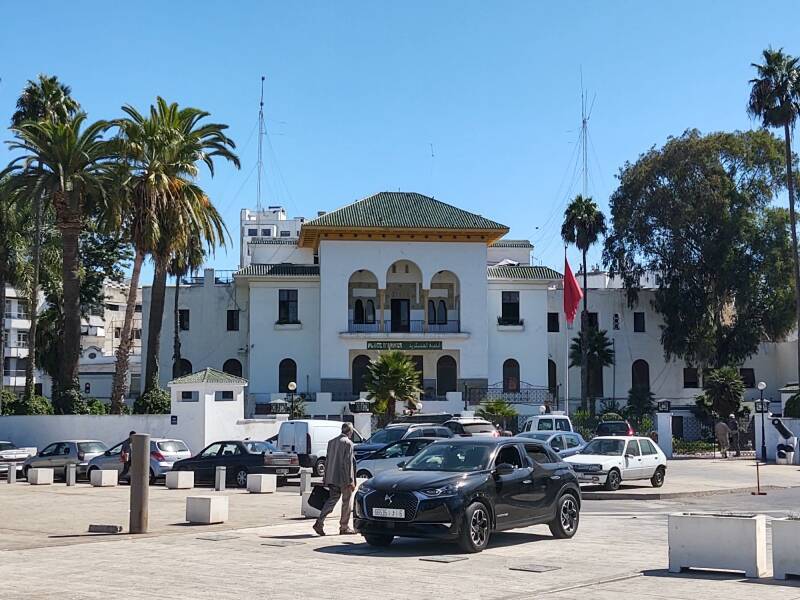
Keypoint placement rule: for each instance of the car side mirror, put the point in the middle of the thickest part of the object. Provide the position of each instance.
(504, 469)
(107, 453)
(401, 464)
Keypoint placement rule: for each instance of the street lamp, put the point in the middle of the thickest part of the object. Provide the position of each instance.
(762, 407)
(291, 387)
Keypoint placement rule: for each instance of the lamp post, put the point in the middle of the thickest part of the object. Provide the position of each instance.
(762, 407)
(292, 387)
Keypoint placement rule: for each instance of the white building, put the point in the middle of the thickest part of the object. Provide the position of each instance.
(16, 323)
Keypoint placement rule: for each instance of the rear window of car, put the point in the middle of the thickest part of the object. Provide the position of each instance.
(605, 428)
(563, 425)
(260, 447)
(478, 427)
(91, 447)
(545, 425)
(172, 446)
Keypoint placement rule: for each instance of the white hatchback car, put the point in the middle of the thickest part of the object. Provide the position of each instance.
(608, 461)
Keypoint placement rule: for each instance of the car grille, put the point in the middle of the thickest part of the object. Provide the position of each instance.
(404, 500)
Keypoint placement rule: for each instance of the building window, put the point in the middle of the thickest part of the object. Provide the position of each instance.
(638, 322)
(266, 232)
(552, 380)
(183, 319)
(137, 308)
(252, 232)
(640, 374)
(616, 321)
(358, 312)
(510, 376)
(232, 367)
(286, 233)
(179, 369)
(446, 375)
(360, 366)
(510, 308)
(112, 307)
(431, 311)
(552, 322)
(186, 396)
(137, 334)
(441, 313)
(233, 320)
(287, 373)
(748, 377)
(592, 321)
(690, 379)
(117, 332)
(369, 311)
(224, 395)
(287, 306)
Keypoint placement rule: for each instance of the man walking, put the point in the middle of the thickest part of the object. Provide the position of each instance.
(340, 479)
(125, 455)
(723, 433)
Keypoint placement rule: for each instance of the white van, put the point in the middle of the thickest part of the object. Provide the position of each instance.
(309, 439)
(549, 422)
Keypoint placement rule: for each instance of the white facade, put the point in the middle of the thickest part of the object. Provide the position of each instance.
(16, 324)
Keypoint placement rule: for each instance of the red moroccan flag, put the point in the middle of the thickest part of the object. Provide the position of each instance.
(572, 293)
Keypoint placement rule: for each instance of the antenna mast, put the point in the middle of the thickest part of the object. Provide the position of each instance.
(261, 133)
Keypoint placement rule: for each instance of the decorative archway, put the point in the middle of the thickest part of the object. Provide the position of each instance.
(446, 375)
(232, 367)
(181, 368)
(360, 366)
(510, 376)
(287, 372)
(640, 374)
(362, 297)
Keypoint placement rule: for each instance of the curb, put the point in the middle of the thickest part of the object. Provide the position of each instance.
(671, 495)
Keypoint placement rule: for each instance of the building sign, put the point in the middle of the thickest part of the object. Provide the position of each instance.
(173, 419)
(421, 345)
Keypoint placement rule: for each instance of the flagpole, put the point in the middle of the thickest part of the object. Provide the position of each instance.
(566, 347)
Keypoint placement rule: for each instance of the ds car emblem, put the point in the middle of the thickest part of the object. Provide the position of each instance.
(388, 498)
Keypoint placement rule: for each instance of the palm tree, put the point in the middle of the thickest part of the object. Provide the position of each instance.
(162, 151)
(775, 99)
(497, 410)
(598, 352)
(184, 261)
(390, 378)
(583, 225)
(11, 246)
(72, 161)
(43, 99)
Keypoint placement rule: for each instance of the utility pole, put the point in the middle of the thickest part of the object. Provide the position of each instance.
(140, 483)
(261, 132)
(585, 312)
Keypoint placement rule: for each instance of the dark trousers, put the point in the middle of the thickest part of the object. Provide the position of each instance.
(125, 469)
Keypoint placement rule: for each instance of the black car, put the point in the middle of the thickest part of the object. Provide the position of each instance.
(462, 489)
(240, 458)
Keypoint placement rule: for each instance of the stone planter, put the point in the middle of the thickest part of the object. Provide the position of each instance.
(207, 510)
(718, 541)
(104, 477)
(179, 480)
(40, 476)
(785, 547)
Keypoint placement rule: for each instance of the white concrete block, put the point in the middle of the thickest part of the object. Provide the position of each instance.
(261, 483)
(785, 548)
(711, 541)
(180, 480)
(40, 476)
(104, 477)
(207, 509)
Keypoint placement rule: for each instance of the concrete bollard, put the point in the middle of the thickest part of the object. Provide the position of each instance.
(180, 480)
(139, 515)
(104, 478)
(207, 509)
(12, 474)
(305, 482)
(72, 474)
(40, 476)
(261, 484)
(219, 479)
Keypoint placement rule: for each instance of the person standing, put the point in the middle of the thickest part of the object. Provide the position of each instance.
(340, 479)
(723, 433)
(125, 455)
(733, 425)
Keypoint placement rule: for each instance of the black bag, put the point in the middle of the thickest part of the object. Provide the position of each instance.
(319, 496)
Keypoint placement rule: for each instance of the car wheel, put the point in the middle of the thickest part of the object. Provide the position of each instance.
(612, 481)
(657, 480)
(476, 528)
(568, 515)
(377, 539)
(363, 474)
(283, 481)
(241, 477)
(319, 467)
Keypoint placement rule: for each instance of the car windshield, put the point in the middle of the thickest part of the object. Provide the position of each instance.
(387, 436)
(260, 447)
(91, 447)
(450, 457)
(604, 447)
(6, 446)
(172, 446)
(537, 436)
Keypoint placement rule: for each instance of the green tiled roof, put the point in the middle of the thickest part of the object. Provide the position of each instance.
(210, 375)
(512, 244)
(279, 270)
(529, 272)
(278, 241)
(403, 210)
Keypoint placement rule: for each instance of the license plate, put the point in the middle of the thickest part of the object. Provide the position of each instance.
(391, 513)
(280, 462)
(282, 471)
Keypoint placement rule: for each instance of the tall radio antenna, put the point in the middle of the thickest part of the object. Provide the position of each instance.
(586, 112)
(261, 132)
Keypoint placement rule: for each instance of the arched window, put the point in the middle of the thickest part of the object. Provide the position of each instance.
(232, 367)
(431, 311)
(640, 374)
(441, 313)
(552, 379)
(369, 312)
(287, 372)
(446, 375)
(360, 366)
(358, 312)
(511, 376)
(184, 367)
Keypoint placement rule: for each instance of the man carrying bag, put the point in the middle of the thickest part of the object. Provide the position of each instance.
(340, 479)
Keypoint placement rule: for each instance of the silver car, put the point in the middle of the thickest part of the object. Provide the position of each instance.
(163, 453)
(58, 455)
(565, 443)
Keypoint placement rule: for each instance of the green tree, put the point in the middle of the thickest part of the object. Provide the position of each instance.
(389, 378)
(153, 402)
(641, 404)
(184, 261)
(697, 214)
(775, 99)
(792, 408)
(599, 354)
(583, 225)
(723, 390)
(12, 252)
(497, 411)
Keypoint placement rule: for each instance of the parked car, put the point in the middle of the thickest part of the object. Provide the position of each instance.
(240, 458)
(400, 431)
(610, 460)
(614, 428)
(58, 455)
(163, 454)
(309, 438)
(463, 489)
(13, 457)
(471, 426)
(390, 456)
(565, 444)
(548, 422)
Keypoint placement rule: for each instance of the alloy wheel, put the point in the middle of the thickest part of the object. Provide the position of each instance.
(241, 478)
(569, 514)
(479, 527)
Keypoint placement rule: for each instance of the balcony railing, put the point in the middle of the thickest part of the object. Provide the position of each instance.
(414, 326)
(12, 343)
(17, 315)
(13, 372)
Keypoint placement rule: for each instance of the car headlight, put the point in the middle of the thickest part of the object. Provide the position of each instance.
(592, 468)
(446, 490)
(365, 487)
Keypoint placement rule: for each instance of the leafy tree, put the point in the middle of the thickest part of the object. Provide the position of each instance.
(298, 408)
(37, 405)
(611, 416)
(153, 402)
(583, 225)
(497, 411)
(641, 404)
(775, 99)
(696, 213)
(8, 402)
(610, 405)
(389, 378)
(599, 354)
(12, 245)
(96, 407)
(723, 390)
(72, 402)
(792, 408)
(185, 260)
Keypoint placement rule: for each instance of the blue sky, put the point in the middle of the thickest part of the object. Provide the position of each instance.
(358, 91)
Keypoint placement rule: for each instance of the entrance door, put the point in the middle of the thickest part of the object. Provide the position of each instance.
(401, 315)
